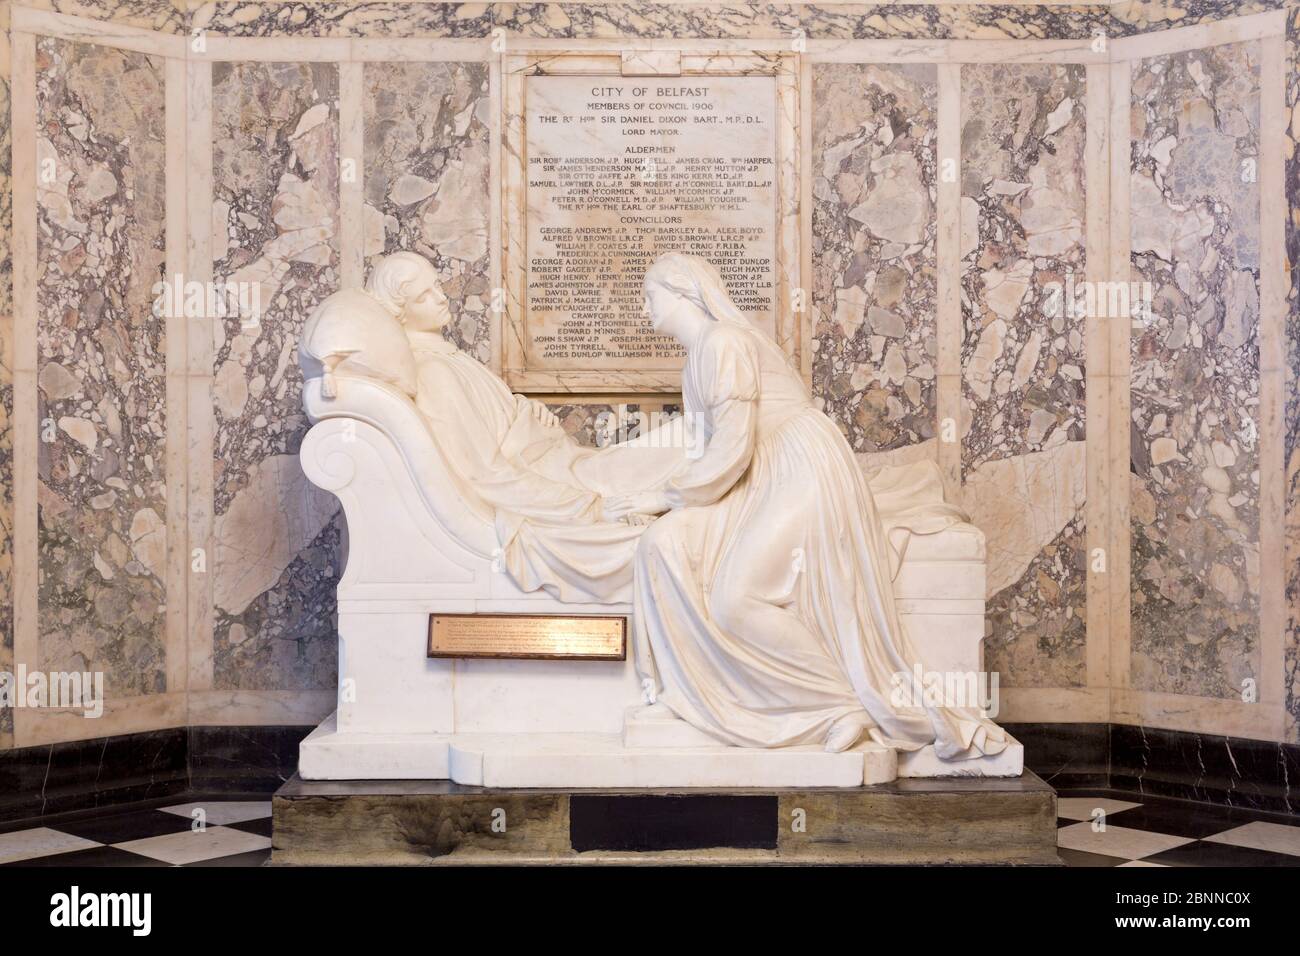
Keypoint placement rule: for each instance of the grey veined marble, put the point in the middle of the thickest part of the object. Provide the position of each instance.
(426, 181)
(873, 166)
(164, 16)
(598, 425)
(1129, 17)
(1195, 371)
(1023, 370)
(1022, 219)
(6, 399)
(759, 20)
(275, 224)
(100, 355)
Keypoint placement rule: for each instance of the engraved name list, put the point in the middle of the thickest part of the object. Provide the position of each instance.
(622, 169)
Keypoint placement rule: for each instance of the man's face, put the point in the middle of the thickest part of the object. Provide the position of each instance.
(426, 305)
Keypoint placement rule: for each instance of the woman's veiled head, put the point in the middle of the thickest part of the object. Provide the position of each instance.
(684, 290)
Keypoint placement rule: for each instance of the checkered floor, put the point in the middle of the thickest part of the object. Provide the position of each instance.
(1095, 828)
(209, 832)
(1120, 829)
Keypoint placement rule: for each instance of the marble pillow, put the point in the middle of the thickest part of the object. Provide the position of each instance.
(353, 334)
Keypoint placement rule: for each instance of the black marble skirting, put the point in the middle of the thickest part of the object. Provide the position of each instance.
(58, 778)
(1235, 771)
(85, 774)
(243, 759)
(1232, 771)
(1066, 755)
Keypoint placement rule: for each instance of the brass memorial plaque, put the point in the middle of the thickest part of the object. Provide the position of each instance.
(528, 636)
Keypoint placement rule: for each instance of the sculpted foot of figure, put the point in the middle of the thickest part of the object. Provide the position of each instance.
(846, 732)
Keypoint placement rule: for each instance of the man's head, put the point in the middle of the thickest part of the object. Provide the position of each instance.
(407, 285)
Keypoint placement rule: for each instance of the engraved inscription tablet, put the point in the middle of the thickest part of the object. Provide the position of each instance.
(622, 169)
(528, 636)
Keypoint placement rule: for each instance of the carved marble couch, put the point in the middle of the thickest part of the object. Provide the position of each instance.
(420, 543)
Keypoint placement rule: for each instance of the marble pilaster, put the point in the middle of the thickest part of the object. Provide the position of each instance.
(6, 377)
(1291, 379)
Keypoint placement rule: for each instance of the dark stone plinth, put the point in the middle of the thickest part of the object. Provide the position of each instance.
(436, 822)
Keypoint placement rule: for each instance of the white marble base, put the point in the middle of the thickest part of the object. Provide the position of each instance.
(601, 760)
(578, 760)
(923, 763)
(329, 754)
(657, 726)
(567, 761)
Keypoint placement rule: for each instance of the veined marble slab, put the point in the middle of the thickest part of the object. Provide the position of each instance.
(100, 351)
(1195, 384)
(275, 225)
(874, 168)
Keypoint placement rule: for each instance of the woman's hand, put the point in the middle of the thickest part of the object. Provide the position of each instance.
(634, 507)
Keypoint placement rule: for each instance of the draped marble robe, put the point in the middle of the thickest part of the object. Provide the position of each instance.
(765, 610)
(544, 488)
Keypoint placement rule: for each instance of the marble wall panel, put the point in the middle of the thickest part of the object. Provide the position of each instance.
(756, 20)
(1131, 17)
(100, 364)
(827, 20)
(164, 16)
(1022, 355)
(598, 424)
(427, 186)
(1195, 372)
(1291, 640)
(426, 129)
(875, 355)
(275, 225)
(6, 390)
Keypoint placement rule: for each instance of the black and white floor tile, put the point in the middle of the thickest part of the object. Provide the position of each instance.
(1105, 828)
(1094, 828)
(209, 832)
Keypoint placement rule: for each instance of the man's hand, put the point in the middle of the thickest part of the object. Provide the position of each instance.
(634, 507)
(544, 415)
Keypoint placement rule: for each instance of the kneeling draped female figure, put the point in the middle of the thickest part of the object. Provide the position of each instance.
(765, 614)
